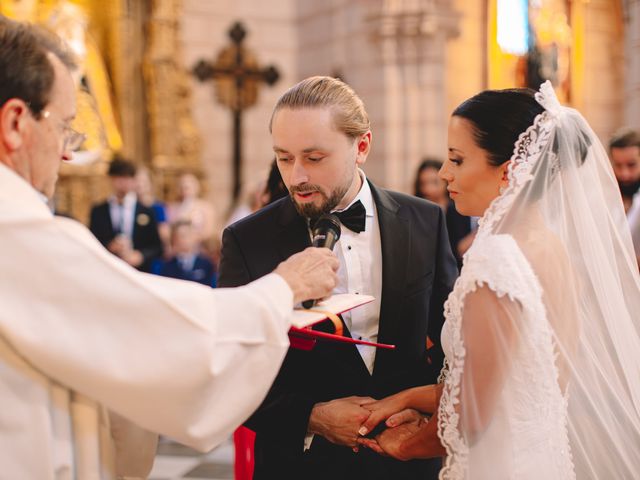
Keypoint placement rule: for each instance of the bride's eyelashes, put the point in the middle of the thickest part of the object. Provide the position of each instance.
(456, 161)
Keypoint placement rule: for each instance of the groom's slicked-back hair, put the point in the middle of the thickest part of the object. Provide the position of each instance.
(25, 71)
(498, 118)
(349, 114)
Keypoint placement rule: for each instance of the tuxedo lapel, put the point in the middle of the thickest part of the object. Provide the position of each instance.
(106, 208)
(142, 218)
(136, 231)
(395, 235)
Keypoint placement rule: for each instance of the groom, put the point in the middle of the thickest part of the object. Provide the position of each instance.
(392, 246)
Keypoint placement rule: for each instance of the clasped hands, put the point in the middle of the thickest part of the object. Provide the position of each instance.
(346, 421)
(122, 247)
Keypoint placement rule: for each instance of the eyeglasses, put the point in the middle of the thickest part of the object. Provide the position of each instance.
(73, 140)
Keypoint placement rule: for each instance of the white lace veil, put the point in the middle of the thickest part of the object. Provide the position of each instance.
(545, 320)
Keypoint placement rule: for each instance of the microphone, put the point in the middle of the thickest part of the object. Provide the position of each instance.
(325, 233)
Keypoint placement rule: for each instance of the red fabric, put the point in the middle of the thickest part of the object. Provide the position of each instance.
(429, 343)
(243, 439)
(300, 338)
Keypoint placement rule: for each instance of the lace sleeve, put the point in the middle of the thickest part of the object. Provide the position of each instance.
(486, 310)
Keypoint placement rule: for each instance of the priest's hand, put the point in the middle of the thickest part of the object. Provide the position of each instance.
(339, 420)
(310, 274)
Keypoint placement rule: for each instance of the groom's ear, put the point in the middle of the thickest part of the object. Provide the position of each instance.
(363, 146)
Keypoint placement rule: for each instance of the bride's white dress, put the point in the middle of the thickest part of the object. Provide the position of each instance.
(527, 435)
(546, 303)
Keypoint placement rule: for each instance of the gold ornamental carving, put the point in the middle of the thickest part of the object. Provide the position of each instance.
(175, 143)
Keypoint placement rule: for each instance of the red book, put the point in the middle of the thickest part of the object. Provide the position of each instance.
(303, 337)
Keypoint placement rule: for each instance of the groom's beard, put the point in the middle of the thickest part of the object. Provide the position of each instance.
(329, 203)
(629, 189)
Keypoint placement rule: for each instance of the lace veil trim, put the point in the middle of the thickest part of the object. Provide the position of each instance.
(526, 153)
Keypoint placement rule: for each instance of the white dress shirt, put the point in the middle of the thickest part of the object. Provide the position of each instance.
(360, 272)
(122, 214)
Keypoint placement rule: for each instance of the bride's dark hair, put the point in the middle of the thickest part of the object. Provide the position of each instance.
(498, 118)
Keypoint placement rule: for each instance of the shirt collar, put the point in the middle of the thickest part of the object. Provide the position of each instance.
(364, 195)
(128, 200)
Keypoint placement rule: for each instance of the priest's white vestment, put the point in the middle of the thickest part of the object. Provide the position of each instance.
(82, 332)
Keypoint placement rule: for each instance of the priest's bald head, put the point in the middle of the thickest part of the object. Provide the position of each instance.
(37, 104)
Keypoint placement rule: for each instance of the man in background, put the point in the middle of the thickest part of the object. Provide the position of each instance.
(624, 152)
(122, 224)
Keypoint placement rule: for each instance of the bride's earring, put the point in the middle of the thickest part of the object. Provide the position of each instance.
(505, 179)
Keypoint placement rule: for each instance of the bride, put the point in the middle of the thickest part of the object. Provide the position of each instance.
(542, 331)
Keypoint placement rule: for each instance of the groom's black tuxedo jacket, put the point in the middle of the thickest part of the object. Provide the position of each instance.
(418, 271)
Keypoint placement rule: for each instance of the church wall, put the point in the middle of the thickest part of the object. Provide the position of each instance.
(602, 100)
(338, 35)
(465, 69)
(392, 54)
(410, 80)
(632, 63)
(272, 38)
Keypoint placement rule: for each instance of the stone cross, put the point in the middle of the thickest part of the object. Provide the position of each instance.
(237, 78)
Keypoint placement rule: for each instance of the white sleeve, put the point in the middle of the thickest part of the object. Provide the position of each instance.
(175, 357)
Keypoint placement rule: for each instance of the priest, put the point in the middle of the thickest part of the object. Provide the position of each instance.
(94, 354)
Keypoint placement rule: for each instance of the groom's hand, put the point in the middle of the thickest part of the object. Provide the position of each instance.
(339, 420)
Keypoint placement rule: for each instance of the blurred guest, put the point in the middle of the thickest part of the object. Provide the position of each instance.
(462, 229)
(275, 188)
(462, 232)
(263, 193)
(634, 226)
(187, 262)
(251, 202)
(429, 185)
(192, 208)
(147, 197)
(122, 224)
(624, 152)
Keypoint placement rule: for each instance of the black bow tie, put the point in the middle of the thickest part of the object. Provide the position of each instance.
(353, 217)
